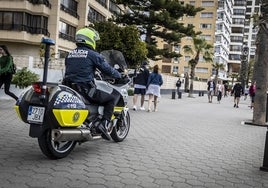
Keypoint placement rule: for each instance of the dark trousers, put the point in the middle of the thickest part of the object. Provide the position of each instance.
(106, 100)
(6, 80)
(178, 90)
(219, 95)
(100, 97)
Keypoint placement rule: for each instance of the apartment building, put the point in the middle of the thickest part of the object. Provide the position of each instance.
(223, 35)
(23, 23)
(237, 35)
(226, 24)
(204, 21)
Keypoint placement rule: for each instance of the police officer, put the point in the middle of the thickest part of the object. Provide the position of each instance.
(81, 64)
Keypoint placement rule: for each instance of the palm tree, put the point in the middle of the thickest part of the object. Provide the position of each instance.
(234, 75)
(261, 67)
(200, 47)
(217, 67)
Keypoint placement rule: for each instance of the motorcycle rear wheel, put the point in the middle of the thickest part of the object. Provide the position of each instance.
(121, 129)
(54, 149)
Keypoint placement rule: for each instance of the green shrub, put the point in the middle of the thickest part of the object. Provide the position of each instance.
(130, 92)
(23, 78)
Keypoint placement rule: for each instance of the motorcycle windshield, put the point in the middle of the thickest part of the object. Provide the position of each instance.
(116, 59)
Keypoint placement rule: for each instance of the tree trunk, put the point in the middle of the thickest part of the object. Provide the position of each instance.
(192, 75)
(260, 70)
(216, 80)
(186, 84)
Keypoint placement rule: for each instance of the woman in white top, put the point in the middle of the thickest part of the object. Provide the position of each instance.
(220, 90)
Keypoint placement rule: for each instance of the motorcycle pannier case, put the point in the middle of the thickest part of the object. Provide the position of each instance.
(65, 108)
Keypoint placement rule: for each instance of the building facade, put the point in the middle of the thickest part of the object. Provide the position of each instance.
(23, 23)
(207, 22)
(228, 26)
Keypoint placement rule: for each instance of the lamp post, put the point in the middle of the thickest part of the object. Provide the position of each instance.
(244, 62)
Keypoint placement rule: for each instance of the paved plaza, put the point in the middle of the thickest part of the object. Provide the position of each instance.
(187, 143)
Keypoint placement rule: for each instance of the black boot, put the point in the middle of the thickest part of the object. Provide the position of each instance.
(102, 127)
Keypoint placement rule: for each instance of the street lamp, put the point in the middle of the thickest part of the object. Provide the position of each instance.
(244, 62)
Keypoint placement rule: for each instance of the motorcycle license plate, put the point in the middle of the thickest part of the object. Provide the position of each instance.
(36, 114)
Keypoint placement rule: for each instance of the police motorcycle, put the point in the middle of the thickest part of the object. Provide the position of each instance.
(60, 117)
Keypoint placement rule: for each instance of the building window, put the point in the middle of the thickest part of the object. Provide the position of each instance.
(240, 12)
(236, 39)
(102, 2)
(206, 37)
(217, 50)
(207, 4)
(238, 21)
(237, 48)
(62, 54)
(206, 15)
(70, 7)
(220, 16)
(218, 38)
(67, 31)
(95, 16)
(219, 27)
(192, 3)
(175, 69)
(234, 57)
(166, 69)
(205, 26)
(21, 21)
(39, 2)
(177, 48)
(201, 70)
(186, 69)
(114, 8)
(240, 3)
(237, 30)
(176, 60)
(187, 58)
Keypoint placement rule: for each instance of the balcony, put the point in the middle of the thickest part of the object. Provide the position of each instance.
(69, 11)
(40, 2)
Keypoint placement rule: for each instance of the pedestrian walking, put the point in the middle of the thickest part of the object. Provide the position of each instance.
(140, 81)
(154, 83)
(6, 70)
(237, 91)
(252, 91)
(226, 88)
(178, 85)
(219, 91)
(246, 92)
(211, 88)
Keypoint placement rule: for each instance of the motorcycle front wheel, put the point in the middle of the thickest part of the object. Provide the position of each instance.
(54, 149)
(121, 129)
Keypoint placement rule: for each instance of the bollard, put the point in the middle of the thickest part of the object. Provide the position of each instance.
(202, 93)
(264, 167)
(199, 94)
(179, 95)
(173, 95)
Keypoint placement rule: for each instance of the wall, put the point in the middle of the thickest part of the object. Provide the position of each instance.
(56, 72)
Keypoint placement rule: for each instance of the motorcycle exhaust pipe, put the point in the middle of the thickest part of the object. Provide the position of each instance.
(71, 135)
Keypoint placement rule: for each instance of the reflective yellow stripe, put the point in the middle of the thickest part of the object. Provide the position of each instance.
(17, 111)
(70, 117)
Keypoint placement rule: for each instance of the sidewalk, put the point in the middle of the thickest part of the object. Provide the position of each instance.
(187, 143)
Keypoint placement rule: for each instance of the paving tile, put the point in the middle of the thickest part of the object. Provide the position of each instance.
(187, 143)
